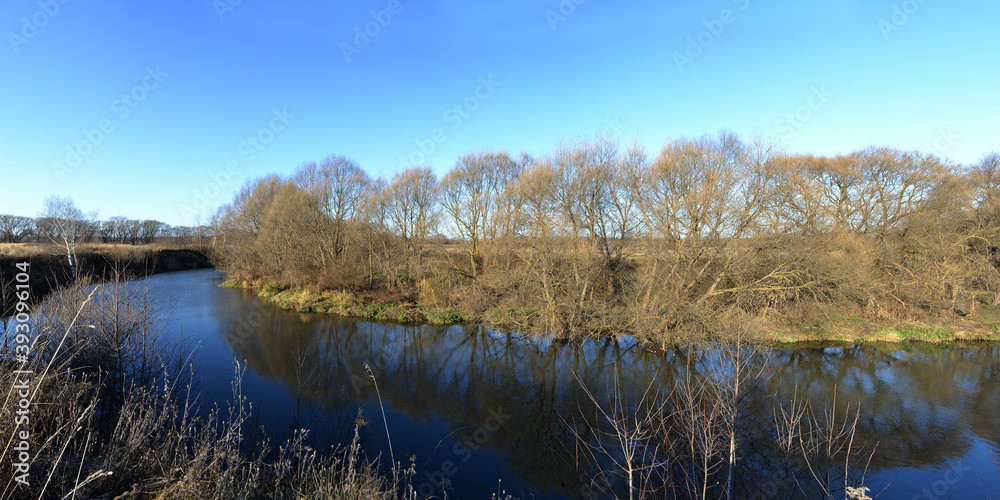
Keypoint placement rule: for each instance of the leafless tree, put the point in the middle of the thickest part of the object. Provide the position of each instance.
(115, 229)
(708, 224)
(149, 230)
(373, 218)
(536, 189)
(289, 233)
(336, 185)
(68, 226)
(594, 195)
(476, 196)
(14, 228)
(985, 179)
(412, 210)
(238, 224)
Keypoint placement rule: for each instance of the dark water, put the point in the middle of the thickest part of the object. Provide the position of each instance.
(491, 408)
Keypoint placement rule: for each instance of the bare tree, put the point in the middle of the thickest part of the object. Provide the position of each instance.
(479, 203)
(536, 189)
(237, 225)
(252, 202)
(412, 209)
(115, 229)
(699, 201)
(336, 185)
(709, 223)
(985, 178)
(288, 235)
(105, 231)
(68, 226)
(794, 202)
(373, 217)
(896, 183)
(149, 230)
(14, 228)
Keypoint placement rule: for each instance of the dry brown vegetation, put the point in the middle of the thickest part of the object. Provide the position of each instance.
(93, 261)
(598, 237)
(703, 438)
(113, 415)
(110, 251)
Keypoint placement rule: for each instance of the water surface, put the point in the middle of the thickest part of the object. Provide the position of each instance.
(489, 409)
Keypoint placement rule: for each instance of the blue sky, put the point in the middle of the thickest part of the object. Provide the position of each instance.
(180, 88)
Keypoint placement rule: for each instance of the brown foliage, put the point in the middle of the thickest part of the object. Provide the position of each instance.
(597, 237)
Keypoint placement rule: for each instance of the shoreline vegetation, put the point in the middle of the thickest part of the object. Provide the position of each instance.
(96, 263)
(833, 328)
(598, 238)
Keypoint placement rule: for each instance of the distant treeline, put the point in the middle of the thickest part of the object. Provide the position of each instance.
(599, 236)
(19, 229)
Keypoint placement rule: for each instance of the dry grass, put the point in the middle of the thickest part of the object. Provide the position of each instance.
(23, 250)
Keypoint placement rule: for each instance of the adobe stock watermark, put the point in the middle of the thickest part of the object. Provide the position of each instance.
(795, 120)
(613, 127)
(714, 28)
(565, 9)
(901, 14)
(944, 140)
(377, 366)
(122, 107)
(224, 7)
(462, 450)
(24, 337)
(941, 488)
(455, 115)
(248, 150)
(30, 26)
(363, 35)
(246, 326)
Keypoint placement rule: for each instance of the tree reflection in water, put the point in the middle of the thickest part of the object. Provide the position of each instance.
(924, 409)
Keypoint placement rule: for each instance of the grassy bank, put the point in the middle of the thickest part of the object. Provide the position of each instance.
(99, 262)
(842, 324)
(831, 324)
(383, 307)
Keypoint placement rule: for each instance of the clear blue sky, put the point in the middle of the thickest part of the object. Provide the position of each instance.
(925, 79)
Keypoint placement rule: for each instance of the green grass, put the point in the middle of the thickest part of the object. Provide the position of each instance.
(782, 337)
(911, 333)
(271, 289)
(443, 316)
(934, 334)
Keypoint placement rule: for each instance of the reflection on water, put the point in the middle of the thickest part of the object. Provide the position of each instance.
(478, 406)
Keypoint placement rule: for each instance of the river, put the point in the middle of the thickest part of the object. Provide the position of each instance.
(490, 410)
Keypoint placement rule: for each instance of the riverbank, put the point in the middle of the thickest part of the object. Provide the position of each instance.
(826, 323)
(98, 262)
(383, 307)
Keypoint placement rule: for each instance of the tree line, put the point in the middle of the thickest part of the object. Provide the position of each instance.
(86, 229)
(63, 224)
(599, 235)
